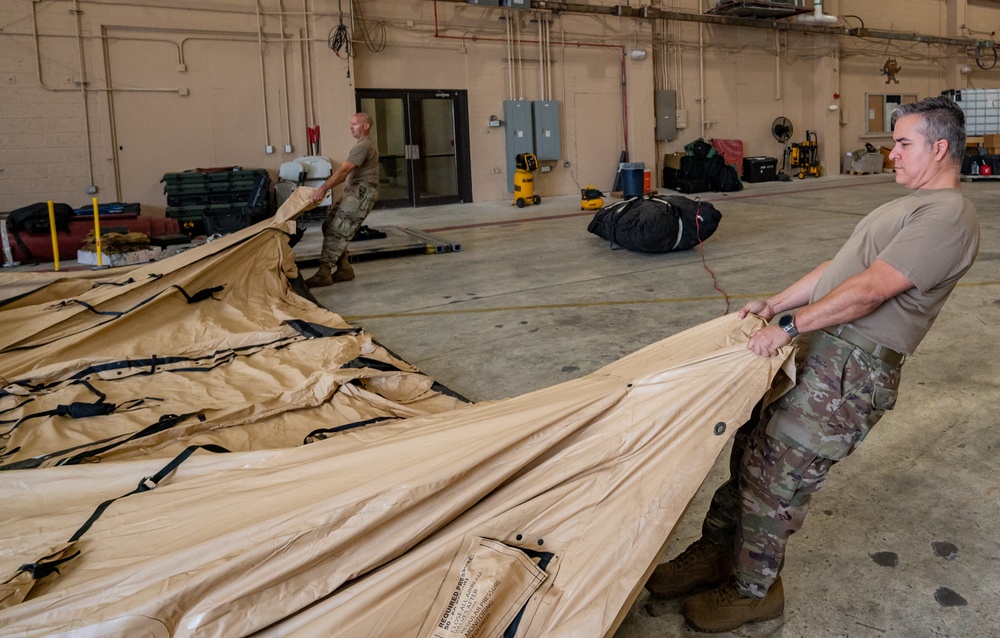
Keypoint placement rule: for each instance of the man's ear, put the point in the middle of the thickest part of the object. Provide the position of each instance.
(941, 149)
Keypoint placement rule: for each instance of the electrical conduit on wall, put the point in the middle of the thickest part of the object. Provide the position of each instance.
(621, 49)
(262, 38)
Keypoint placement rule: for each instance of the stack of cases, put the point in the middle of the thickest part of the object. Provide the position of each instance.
(208, 202)
(981, 107)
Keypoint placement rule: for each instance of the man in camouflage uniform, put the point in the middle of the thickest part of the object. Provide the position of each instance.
(859, 315)
(360, 172)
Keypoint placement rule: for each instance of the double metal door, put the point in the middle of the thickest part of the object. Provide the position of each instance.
(423, 144)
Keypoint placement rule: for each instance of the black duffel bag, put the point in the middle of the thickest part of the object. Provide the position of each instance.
(35, 218)
(656, 224)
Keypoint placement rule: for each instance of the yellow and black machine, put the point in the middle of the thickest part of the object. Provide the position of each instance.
(524, 181)
(591, 198)
(805, 156)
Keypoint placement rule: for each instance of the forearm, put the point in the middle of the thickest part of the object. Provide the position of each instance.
(338, 177)
(798, 294)
(768, 340)
(853, 299)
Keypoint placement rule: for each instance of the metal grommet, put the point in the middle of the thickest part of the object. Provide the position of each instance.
(720, 428)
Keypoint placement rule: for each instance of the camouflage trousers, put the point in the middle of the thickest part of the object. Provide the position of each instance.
(343, 220)
(782, 455)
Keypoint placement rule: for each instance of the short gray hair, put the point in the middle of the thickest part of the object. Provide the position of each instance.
(940, 119)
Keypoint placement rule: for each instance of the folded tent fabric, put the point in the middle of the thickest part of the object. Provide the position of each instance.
(354, 534)
(366, 523)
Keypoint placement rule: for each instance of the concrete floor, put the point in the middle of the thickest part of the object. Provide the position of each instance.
(901, 543)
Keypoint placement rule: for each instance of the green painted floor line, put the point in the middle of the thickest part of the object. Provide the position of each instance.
(593, 304)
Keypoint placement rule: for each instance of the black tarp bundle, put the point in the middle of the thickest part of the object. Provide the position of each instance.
(656, 224)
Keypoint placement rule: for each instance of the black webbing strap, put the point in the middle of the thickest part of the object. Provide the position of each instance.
(14, 407)
(146, 484)
(75, 410)
(45, 567)
(316, 330)
(42, 568)
(28, 257)
(127, 282)
(321, 433)
(216, 359)
(114, 283)
(374, 364)
(165, 422)
(111, 313)
(201, 295)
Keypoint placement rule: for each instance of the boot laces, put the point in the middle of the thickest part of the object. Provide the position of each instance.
(698, 552)
(728, 594)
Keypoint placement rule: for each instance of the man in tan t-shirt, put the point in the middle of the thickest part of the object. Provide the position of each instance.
(360, 172)
(859, 315)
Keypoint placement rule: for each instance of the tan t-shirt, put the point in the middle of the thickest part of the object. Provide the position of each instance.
(932, 237)
(364, 156)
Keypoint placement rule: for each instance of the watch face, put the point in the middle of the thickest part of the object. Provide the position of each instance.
(785, 323)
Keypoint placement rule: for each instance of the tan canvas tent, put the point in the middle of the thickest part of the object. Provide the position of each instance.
(408, 513)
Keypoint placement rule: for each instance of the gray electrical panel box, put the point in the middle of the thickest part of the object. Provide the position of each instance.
(517, 4)
(485, 3)
(519, 134)
(546, 117)
(665, 105)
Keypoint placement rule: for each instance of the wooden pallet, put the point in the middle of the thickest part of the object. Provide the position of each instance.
(398, 240)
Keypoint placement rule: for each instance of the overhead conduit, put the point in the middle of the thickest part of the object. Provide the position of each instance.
(621, 49)
(653, 13)
(84, 85)
(817, 23)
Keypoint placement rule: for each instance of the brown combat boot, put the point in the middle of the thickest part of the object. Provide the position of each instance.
(344, 272)
(725, 608)
(323, 277)
(702, 565)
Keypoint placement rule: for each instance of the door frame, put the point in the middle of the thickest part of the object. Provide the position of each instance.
(463, 168)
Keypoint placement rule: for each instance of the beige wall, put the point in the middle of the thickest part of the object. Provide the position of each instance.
(186, 86)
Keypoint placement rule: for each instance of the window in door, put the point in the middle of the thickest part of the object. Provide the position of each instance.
(423, 143)
(880, 108)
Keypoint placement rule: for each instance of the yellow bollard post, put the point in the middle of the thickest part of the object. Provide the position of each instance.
(97, 233)
(52, 228)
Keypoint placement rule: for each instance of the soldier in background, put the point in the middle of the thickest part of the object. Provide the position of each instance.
(360, 172)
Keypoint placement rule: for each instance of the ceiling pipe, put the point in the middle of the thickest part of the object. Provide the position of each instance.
(818, 17)
(653, 13)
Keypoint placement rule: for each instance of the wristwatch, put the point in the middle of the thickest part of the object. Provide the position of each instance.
(787, 324)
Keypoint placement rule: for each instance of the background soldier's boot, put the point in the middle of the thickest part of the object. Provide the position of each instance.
(323, 277)
(703, 564)
(344, 271)
(725, 608)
